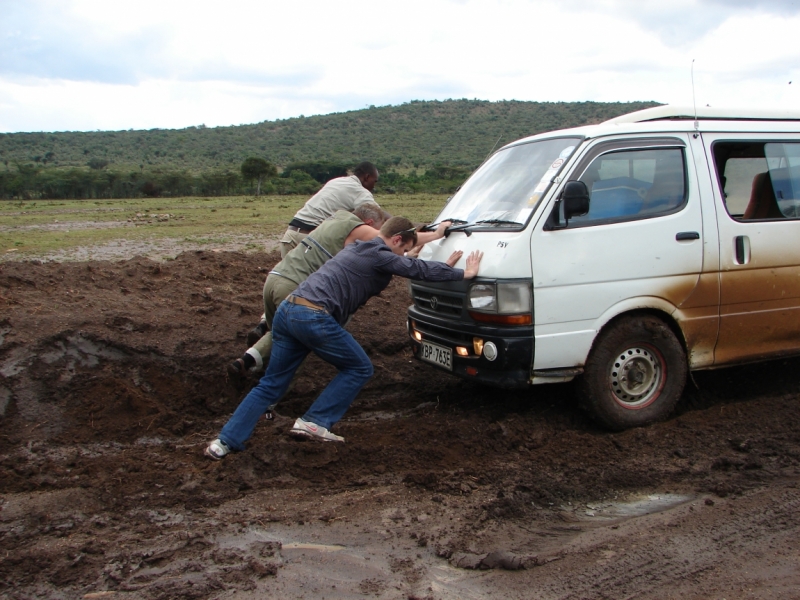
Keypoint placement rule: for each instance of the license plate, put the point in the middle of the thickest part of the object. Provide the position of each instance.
(438, 355)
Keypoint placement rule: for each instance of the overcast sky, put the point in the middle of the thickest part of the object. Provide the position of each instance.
(119, 64)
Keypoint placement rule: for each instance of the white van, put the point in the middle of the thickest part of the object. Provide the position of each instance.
(623, 254)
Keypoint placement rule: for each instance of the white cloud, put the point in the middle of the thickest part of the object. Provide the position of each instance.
(91, 64)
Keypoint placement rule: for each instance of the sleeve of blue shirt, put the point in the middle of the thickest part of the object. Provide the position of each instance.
(413, 268)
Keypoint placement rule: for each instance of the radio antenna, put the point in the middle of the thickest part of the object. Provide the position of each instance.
(694, 101)
(490, 151)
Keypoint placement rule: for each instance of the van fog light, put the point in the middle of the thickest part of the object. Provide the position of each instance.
(461, 351)
(490, 351)
(416, 335)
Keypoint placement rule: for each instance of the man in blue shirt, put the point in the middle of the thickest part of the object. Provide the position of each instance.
(312, 320)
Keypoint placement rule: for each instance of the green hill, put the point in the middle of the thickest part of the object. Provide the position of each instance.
(408, 140)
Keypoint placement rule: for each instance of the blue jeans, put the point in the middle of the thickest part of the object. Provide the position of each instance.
(296, 331)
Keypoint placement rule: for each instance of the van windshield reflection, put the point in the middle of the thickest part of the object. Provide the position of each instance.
(509, 186)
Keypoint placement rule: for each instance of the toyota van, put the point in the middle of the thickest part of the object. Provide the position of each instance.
(623, 255)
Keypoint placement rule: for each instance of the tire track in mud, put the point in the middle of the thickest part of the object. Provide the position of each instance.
(689, 548)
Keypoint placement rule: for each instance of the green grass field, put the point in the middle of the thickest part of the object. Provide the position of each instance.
(38, 227)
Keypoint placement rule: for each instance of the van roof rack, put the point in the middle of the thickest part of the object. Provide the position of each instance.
(687, 113)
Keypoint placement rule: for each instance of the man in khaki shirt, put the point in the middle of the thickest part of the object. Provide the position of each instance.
(341, 193)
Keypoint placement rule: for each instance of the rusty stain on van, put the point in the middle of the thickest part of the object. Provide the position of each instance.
(758, 313)
(682, 288)
(698, 318)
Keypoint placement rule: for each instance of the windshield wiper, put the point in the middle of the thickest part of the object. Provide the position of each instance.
(465, 227)
(462, 226)
(497, 222)
(433, 226)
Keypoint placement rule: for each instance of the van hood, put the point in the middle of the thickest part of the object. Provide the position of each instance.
(506, 254)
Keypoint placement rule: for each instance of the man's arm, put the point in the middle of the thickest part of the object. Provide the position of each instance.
(424, 237)
(413, 268)
(364, 233)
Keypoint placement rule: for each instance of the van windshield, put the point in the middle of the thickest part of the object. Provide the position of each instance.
(507, 188)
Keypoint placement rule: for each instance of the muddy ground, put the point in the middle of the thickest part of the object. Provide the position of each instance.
(112, 380)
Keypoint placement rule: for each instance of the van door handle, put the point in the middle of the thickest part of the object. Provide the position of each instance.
(741, 245)
(687, 235)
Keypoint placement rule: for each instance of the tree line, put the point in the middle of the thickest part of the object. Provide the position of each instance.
(418, 147)
(305, 179)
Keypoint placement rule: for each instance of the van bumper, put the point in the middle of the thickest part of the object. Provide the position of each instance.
(512, 367)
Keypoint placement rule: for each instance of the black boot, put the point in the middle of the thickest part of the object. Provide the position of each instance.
(256, 333)
(238, 369)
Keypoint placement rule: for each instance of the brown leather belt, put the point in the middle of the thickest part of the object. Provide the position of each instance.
(298, 230)
(304, 302)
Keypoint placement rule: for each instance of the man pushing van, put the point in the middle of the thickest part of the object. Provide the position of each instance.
(312, 319)
(314, 250)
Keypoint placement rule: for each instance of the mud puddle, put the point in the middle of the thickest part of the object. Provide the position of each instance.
(651, 503)
(399, 558)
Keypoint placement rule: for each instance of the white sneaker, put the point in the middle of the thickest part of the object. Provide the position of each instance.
(217, 450)
(307, 429)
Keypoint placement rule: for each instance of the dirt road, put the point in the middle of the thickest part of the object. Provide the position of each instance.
(112, 381)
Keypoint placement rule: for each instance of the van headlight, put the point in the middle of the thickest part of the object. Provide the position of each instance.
(483, 296)
(501, 297)
(503, 302)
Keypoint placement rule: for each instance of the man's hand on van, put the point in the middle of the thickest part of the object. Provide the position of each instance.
(423, 237)
(454, 258)
(473, 262)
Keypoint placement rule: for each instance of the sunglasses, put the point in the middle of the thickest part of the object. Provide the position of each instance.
(408, 235)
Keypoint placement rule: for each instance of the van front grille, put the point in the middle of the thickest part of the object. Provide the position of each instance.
(446, 304)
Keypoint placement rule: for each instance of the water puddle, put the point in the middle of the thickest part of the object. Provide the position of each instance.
(81, 351)
(307, 546)
(645, 505)
(384, 415)
(278, 534)
(344, 560)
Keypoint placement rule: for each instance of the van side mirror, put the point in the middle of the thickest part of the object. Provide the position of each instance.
(575, 199)
(573, 202)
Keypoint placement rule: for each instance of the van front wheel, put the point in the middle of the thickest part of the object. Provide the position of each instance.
(635, 373)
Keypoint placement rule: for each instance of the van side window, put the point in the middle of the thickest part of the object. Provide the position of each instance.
(759, 180)
(633, 184)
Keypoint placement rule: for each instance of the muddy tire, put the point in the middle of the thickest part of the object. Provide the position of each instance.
(635, 373)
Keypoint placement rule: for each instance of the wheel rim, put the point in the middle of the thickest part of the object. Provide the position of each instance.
(637, 376)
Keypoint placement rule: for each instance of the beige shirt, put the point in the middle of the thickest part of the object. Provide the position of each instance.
(342, 193)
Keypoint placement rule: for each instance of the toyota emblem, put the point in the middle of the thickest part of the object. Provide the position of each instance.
(434, 302)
